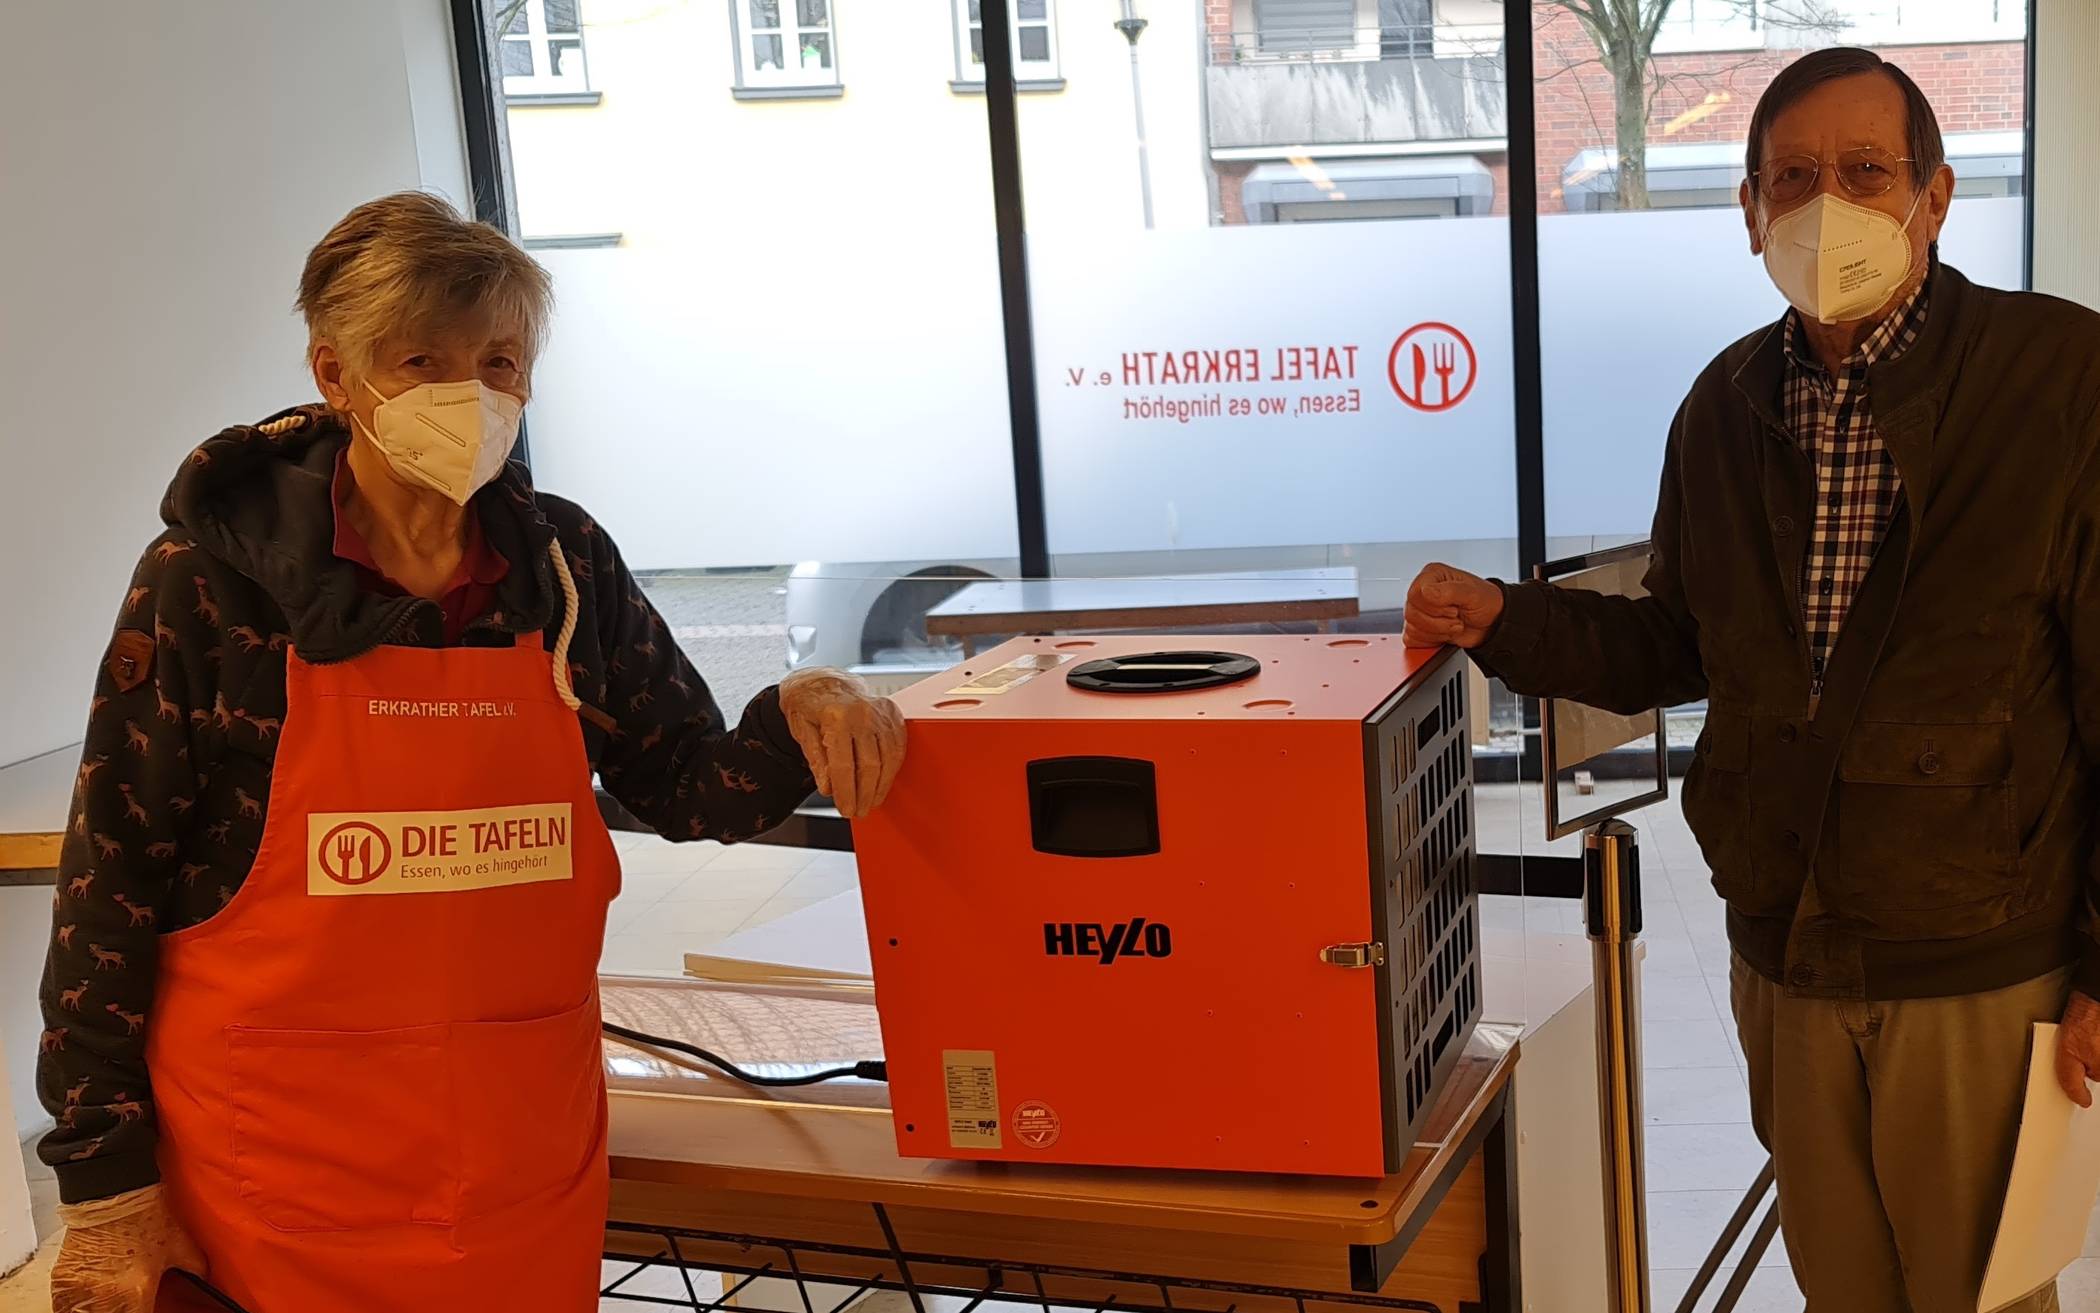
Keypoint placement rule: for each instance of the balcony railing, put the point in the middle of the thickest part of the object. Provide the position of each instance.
(1269, 45)
(1351, 86)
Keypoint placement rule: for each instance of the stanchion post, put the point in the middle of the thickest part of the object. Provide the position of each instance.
(1612, 910)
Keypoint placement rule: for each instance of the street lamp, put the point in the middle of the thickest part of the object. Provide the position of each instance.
(1132, 27)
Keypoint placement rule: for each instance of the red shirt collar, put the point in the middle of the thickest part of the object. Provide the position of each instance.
(480, 564)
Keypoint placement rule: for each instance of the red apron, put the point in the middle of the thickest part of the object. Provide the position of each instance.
(378, 1070)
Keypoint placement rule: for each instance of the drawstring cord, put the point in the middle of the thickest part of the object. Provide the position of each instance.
(569, 606)
(277, 428)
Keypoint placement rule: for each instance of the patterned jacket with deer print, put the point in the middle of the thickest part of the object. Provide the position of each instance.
(174, 781)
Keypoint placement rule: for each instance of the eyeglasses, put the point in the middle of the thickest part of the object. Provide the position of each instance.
(1863, 171)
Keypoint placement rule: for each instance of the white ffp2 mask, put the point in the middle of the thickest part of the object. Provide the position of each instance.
(1835, 261)
(451, 437)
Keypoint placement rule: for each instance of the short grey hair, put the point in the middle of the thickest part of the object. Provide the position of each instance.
(1928, 150)
(411, 262)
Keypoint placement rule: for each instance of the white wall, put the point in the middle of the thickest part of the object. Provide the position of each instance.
(163, 178)
(24, 921)
(2066, 171)
(25, 930)
(1560, 1164)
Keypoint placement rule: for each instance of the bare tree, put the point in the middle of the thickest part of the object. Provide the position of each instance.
(1624, 32)
(506, 10)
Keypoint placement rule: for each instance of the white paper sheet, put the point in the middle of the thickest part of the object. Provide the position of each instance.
(2055, 1176)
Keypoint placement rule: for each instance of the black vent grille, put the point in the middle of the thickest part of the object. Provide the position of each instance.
(1431, 927)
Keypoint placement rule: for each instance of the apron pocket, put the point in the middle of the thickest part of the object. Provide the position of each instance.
(530, 1106)
(338, 1130)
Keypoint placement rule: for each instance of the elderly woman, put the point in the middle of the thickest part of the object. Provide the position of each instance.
(321, 994)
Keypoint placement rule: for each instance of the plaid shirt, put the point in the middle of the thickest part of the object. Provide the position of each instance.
(1857, 484)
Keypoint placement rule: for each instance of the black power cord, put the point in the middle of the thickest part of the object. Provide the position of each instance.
(873, 1071)
(217, 1295)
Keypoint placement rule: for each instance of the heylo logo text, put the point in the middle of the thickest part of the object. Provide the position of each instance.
(1107, 943)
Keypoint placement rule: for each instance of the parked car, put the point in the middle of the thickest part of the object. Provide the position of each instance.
(871, 617)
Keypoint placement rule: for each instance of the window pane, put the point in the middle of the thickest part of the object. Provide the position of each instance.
(1291, 372)
(568, 59)
(561, 16)
(977, 45)
(1031, 11)
(813, 13)
(1406, 28)
(1035, 44)
(816, 50)
(1306, 26)
(517, 57)
(776, 372)
(1196, 423)
(765, 13)
(976, 12)
(511, 18)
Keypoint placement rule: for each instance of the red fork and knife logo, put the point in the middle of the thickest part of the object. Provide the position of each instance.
(1432, 350)
(355, 852)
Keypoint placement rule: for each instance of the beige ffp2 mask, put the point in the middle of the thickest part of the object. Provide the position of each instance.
(1835, 261)
(451, 437)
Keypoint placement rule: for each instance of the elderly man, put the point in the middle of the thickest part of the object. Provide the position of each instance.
(1877, 556)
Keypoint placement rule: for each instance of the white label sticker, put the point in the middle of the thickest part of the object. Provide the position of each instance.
(437, 852)
(1013, 674)
(973, 1100)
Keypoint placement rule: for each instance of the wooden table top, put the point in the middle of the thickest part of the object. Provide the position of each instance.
(674, 1125)
(999, 606)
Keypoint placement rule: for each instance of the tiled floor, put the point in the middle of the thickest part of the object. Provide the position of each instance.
(25, 1291)
(1701, 1153)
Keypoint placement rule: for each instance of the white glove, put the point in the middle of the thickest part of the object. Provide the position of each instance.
(114, 1252)
(854, 743)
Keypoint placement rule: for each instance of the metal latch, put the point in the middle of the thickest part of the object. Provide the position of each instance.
(1354, 956)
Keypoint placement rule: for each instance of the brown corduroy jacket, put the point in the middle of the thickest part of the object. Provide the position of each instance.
(1930, 829)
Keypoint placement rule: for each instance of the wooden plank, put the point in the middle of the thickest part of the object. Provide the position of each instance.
(1442, 1266)
(30, 852)
(1002, 606)
(1147, 617)
(734, 1142)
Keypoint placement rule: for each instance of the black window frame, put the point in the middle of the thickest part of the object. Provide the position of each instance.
(481, 105)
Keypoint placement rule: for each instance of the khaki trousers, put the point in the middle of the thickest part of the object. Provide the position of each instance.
(1891, 1127)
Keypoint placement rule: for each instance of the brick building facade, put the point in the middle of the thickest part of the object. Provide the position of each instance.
(1700, 97)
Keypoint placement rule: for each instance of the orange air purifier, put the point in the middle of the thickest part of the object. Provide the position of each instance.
(1135, 904)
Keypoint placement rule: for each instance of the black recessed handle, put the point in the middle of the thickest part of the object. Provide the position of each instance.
(1093, 807)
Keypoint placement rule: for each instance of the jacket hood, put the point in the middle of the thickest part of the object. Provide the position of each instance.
(260, 497)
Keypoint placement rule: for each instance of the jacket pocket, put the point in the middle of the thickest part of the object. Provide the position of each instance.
(530, 1106)
(1928, 844)
(1717, 806)
(339, 1130)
